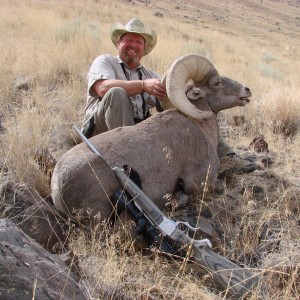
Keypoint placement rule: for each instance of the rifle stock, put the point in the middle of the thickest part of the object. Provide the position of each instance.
(235, 280)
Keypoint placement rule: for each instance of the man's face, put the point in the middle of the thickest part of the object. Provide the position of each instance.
(131, 48)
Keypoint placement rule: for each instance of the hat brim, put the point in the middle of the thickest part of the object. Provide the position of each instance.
(118, 30)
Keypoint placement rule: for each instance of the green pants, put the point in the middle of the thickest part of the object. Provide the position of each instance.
(114, 110)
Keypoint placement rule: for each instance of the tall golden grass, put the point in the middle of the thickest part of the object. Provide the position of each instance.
(46, 50)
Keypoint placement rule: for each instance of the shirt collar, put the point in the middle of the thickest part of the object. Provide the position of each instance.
(120, 61)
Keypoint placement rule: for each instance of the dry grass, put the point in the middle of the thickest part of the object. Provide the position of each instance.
(46, 50)
(111, 268)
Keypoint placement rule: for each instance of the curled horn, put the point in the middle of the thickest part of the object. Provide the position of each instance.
(190, 66)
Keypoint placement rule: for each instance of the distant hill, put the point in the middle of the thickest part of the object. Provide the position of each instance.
(253, 18)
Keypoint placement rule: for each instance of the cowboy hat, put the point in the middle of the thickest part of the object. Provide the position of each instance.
(134, 26)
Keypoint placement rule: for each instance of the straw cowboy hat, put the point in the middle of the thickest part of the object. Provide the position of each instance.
(135, 26)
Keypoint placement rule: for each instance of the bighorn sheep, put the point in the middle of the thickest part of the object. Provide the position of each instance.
(177, 145)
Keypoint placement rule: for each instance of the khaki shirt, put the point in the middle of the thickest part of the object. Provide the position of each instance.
(107, 66)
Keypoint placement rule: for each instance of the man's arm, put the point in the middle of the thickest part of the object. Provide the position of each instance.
(151, 86)
(132, 87)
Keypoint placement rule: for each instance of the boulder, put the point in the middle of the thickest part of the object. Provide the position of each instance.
(34, 215)
(28, 271)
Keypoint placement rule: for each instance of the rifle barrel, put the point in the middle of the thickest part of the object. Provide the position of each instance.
(88, 143)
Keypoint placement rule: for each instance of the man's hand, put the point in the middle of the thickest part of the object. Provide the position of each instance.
(155, 87)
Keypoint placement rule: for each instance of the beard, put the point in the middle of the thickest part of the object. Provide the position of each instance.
(131, 60)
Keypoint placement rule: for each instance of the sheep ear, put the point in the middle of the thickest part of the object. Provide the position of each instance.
(195, 94)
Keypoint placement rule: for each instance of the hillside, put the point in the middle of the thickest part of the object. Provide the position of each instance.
(269, 20)
(47, 47)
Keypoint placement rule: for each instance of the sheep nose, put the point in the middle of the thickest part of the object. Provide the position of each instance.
(247, 89)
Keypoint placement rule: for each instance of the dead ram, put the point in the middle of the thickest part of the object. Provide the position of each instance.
(177, 145)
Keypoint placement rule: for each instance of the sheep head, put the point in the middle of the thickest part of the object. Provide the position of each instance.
(219, 92)
(193, 77)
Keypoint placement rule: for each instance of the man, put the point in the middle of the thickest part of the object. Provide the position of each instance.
(121, 91)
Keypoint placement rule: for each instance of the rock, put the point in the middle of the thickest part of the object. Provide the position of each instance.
(36, 217)
(239, 120)
(28, 271)
(259, 144)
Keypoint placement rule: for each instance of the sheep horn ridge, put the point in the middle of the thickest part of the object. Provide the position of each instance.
(190, 66)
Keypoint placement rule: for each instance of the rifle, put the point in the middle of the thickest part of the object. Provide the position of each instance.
(143, 226)
(235, 280)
